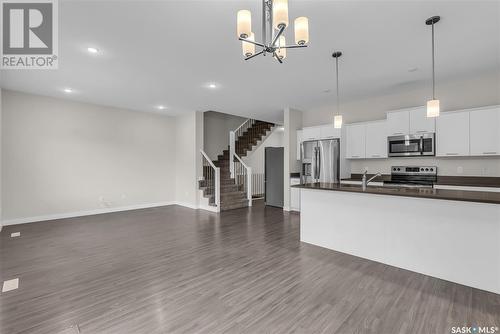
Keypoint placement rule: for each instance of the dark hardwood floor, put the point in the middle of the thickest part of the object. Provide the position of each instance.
(177, 270)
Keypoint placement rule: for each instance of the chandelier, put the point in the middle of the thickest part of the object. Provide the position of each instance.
(274, 23)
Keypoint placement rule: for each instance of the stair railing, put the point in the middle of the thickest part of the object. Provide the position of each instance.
(233, 137)
(211, 175)
(243, 177)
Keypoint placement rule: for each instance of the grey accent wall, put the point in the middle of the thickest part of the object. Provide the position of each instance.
(216, 127)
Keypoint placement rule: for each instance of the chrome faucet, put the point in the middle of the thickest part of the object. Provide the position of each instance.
(364, 181)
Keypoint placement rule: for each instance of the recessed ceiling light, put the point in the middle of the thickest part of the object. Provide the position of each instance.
(68, 90)
(161, 107)
(212, 85)
(92, 50)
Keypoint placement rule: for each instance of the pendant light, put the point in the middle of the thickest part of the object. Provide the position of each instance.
(337, 119)
(433, 105)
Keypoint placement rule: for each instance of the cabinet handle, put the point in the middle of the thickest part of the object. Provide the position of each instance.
(375, 155)
(421, 131)
(397, 133)
(354, 156)
(489, 152)
(451, 153)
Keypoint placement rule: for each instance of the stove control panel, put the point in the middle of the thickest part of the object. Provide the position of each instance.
(414, 170)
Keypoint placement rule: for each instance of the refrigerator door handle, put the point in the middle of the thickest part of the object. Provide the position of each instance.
(313, 165)
(318, 164)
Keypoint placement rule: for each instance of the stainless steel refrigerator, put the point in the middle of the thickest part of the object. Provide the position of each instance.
(320, 161)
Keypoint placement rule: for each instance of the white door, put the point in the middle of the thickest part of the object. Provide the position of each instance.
(452, 134)
(398, 123)
(376, 140)
(420, 123)
(355, 144)
(485, 132)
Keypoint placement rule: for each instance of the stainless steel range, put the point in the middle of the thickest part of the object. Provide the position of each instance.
(412, 176)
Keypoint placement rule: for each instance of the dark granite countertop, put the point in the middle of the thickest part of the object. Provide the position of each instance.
(445, 194)
(465, 181)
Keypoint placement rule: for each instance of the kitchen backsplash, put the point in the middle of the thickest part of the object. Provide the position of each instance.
(489, 166)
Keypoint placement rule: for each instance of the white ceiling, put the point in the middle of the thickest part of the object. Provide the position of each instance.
(166, 52)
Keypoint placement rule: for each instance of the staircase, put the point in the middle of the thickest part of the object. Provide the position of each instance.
(232, 194)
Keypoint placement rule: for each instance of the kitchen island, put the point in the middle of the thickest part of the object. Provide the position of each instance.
(449, 234)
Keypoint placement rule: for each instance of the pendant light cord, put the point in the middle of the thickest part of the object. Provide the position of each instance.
(337, 74)
(433, 71)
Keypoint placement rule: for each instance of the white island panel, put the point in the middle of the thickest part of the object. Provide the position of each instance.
(452, 240)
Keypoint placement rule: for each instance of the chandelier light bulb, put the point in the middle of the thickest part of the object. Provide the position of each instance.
(280, 13)
(248, 48)
(281, 52)
(244, 23)
(301, 30)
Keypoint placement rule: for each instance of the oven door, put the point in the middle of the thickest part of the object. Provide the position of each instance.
(401, 146)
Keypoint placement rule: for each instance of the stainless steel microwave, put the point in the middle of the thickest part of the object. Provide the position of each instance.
(411, 145)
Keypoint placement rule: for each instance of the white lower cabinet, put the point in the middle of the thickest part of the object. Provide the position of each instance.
(294, 195)
(355, 141)
(452, 134)
(376, 140)
(485, 132)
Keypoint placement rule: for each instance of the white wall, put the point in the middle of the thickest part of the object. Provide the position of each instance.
(188, 158)
(256, 158)
(62, 157)
(487, 166)
(216, 127)
(292, 122)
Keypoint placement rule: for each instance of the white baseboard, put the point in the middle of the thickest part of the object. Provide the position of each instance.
(34, 219)
(185, 204)
(208, 208)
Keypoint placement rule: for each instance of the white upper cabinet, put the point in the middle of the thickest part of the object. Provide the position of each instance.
(485, 131)
(420, 123)
(355, 143)
(329, 132)
(452, 134)
(311, 133)
(299, 141)
(376, 139)
(398, 123)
